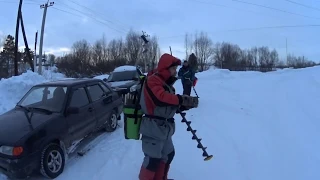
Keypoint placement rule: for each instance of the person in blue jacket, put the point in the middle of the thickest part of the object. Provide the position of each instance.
(187, 76)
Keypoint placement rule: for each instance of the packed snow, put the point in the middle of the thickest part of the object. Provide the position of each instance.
(103, 76)
(125, 68)
(258, 126)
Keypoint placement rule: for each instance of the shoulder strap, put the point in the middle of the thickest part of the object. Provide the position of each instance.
(137, 98)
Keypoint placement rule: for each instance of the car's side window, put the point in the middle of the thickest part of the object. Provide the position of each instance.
(95, 92)
(105, 88)
(79, 98)
(52, 89)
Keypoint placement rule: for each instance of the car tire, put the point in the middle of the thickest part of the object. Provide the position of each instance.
(51, 151)
(112, 122)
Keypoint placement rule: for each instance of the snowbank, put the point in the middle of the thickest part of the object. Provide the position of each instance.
(12, 89)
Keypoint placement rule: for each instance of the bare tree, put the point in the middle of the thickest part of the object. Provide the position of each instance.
(188, 44)
(299, 61)
(228, 55)
(203, 49)
(254, 53)
(97, 52)
(218, 61)
(149, 58)
(264, 54)
(274, 59)
(82, 56)
(105, 51)
(117, 52)
(102, 57)
(133, 47)
(51, 59)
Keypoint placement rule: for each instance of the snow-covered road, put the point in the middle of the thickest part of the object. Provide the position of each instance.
(258, 126)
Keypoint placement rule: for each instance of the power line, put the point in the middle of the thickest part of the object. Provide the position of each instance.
(275, 9)
(35, 2)
(16, 2)
(97, 20)
(119, 24)
(254, 28)
(224, 6)
(121, 31)
(67, 12)
(304, 5)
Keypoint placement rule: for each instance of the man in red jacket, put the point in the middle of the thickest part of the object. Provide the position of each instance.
(159, 104)
(152, 72)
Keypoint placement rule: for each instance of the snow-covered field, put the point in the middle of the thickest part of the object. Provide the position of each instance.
(258, 126)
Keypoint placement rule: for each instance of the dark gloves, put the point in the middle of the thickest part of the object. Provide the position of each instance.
(189, 101)
(182, 108)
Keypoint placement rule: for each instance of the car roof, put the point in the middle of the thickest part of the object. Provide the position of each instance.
(125, 68)
(70, 82)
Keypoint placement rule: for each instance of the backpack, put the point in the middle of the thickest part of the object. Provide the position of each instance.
(132, 111)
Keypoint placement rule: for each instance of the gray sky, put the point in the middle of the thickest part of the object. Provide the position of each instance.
(170, 20)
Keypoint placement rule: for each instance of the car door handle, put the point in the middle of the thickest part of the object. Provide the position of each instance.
(90, 109)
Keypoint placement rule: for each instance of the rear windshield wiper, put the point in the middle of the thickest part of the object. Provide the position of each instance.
(47, 111)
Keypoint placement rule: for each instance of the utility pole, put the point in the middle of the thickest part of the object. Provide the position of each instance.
(45, 6)
(16, 57)
(35, 52)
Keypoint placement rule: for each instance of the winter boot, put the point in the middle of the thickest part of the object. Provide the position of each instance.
(146, 174)
(160, 171)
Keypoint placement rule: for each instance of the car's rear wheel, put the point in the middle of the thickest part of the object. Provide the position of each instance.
(112, 122)
(52, 161)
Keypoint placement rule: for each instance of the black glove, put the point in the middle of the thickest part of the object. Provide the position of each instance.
(183, 108)
(189, 101)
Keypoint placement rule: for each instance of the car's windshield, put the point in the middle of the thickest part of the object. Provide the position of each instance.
(45, 97)
(123, 76)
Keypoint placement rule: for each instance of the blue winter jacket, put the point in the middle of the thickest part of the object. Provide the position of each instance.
(186, 74)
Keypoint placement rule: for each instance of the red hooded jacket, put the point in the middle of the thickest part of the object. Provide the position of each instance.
(154, 91)
(152, 72)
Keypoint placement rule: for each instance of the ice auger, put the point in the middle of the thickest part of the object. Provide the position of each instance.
(194, 90)
(195, 137)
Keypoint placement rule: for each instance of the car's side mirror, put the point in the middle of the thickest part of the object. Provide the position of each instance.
(107, 100)
(105, 79)
(72, 110)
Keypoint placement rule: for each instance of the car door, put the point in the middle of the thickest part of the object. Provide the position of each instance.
(97, 95)
(82, 123)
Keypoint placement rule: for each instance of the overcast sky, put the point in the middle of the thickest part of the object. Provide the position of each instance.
(170, 20)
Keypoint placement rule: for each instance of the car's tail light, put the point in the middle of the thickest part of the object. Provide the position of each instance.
(17, 151)
(11, 151)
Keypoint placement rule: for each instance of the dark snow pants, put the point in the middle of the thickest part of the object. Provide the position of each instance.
(157, 142)
(187, 88)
